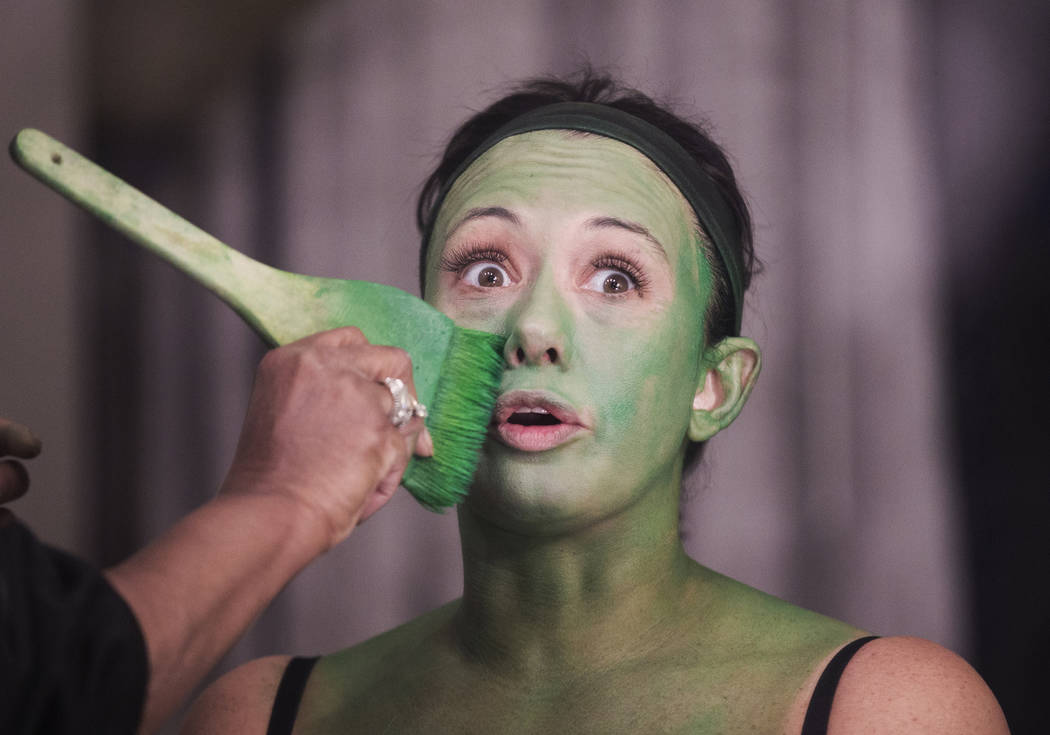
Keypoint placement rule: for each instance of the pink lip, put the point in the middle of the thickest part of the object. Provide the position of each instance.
(537, 438)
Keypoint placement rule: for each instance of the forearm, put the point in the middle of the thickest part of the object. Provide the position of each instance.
(197, 588)
(302, 478)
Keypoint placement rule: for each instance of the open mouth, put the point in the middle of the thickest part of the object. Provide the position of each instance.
(534, 421)
(533, 417)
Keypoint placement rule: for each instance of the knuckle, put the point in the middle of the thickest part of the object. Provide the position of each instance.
(332, 338)
(381, 455)
(271, 362)
(291, 363)
(400, 361)
(395, 442)
(351, 334)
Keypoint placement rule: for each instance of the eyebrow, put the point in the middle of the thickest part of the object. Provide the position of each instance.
(595, 222)
(637, 229)
(480, 212)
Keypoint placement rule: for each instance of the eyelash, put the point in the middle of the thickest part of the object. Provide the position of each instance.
(621, 262)
(457, 260)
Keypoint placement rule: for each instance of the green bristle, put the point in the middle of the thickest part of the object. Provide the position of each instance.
(462, 408)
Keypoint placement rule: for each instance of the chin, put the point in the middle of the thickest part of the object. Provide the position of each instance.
(530, 493)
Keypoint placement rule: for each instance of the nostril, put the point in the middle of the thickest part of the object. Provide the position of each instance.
(520, 354)
(552, 355)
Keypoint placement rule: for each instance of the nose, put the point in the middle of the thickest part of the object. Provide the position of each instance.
(540, 333)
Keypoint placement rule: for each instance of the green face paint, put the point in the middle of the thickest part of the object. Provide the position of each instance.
(583, 253)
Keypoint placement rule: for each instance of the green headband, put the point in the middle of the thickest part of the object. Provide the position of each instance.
(699, 189)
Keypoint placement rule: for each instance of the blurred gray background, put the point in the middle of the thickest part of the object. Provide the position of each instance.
(890, 467)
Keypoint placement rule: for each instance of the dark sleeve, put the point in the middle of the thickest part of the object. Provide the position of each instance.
(72, 656)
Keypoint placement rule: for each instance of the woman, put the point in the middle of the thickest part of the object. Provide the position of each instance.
(609, 243)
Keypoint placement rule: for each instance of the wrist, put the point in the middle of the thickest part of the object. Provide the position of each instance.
(279, 513)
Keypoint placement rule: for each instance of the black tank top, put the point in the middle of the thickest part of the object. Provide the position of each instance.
(290, 692)
(819, 710)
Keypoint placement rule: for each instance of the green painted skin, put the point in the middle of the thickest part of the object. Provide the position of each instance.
(581, 611)
(615, 367)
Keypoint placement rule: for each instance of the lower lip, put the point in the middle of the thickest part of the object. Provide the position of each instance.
(535, 438)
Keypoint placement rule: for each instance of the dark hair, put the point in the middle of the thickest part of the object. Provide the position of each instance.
(589, 86)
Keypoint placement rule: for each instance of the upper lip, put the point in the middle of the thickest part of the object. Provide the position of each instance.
(531, 400)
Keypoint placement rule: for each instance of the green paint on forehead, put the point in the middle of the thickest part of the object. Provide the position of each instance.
(520, 167)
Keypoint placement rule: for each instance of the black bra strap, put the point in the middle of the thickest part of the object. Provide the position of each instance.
(819, 711)
(289, 694)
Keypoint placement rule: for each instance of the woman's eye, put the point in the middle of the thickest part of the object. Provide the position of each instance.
(486, 275)
(608, 280)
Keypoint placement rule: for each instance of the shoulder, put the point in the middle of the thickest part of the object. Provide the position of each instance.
(381, 656)
(239, 701)
(910, 685)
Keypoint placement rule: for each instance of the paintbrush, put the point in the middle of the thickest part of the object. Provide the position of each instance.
(456, 371)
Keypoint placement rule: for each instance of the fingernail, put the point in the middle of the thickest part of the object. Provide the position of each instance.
(31, 444)
(35, 445)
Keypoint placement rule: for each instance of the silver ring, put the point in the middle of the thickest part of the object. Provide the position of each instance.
(405, 406)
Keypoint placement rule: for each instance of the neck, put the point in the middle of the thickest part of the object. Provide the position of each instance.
(549, 605)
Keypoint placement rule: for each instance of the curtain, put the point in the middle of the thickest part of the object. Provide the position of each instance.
(831, 490)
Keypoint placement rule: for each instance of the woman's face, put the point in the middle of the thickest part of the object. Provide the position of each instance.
(581, 252)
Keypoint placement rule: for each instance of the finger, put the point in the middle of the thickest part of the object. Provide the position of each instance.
(338, 337)
(378, 362)
(377, 500)
(385, 489)
(424, 444)
(417, 439)
(18, 440)
(14, 480)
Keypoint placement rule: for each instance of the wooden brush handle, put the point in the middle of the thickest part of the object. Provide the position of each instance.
(243, 283)
(283, 307)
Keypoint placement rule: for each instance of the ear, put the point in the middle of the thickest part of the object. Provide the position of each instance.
(728, 373)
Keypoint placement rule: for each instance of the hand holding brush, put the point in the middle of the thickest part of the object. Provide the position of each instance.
(456, 371)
